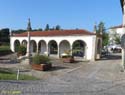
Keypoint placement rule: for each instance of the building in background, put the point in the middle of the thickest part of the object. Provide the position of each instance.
(82, 43)
(115, 34)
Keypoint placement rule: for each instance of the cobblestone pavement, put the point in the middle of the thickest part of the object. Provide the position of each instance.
(103, 77)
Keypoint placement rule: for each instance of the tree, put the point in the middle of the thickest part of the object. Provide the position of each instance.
(4, 36)
(102, 30)
(105, 39)
(47, 27)
(117, 39)
(19, 31)
(40, 29)
(58, 27)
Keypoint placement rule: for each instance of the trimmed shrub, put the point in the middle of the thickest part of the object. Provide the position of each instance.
(40, 59)
(21, 50)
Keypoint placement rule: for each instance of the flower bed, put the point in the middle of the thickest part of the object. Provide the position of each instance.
(41, 62)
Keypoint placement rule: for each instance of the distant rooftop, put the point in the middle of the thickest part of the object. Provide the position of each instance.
(114, 27)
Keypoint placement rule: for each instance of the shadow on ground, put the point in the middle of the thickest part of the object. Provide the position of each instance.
(6, 71)
(111, 57)
(55, 68)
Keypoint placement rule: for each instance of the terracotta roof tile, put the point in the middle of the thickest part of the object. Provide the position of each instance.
(56, 33)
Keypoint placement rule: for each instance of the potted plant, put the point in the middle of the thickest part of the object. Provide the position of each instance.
(67, 57)
(21, 51)
(41, 63)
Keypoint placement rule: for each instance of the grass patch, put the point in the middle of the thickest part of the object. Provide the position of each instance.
(4, 48)
(8, 74)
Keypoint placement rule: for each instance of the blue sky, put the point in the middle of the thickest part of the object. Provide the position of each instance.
(69, 14)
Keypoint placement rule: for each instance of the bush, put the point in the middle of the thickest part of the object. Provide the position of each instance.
(21, 50)
(4, 50)
(40, 59)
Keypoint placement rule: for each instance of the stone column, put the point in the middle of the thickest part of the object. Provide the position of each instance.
(47, 49)
(71, 50)
(98, 48)
(94, 49)
(28, 41)
(123, 50)
(28, 49)
(85, 54)
(124, 13)
(37, 47)
(58, 53)
(123, 58)
(28, 44)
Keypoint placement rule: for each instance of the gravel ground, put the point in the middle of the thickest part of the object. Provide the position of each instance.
(103, 77)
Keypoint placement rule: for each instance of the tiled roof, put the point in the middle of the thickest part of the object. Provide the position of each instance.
(119, 26)
(56, 33)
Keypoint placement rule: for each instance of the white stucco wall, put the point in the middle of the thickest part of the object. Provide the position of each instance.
(87, 39)
(113, 33)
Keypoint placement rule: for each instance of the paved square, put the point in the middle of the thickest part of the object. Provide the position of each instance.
(103, 77)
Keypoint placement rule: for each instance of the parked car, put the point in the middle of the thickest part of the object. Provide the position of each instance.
(116, 48)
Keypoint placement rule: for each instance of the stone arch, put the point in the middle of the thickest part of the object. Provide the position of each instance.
(52, 47)
(24, 43)
(42, 47)
(64, 46)
(33, 46)
(79, 48)
(16, 45)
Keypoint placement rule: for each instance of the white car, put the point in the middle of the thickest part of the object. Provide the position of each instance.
(114, 48)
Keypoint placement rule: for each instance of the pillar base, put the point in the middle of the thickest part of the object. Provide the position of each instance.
(28, 61)
(98, 56)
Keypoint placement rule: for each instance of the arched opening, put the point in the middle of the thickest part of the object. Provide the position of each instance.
(24, 43)
(33, 46)
(64, 46)
(53, 48)
(79, 48)
(42, 47)
(16, 45)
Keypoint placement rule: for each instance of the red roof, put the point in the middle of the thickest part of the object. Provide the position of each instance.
(56, 33)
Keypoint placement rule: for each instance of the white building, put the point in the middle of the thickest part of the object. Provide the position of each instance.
(116, 31)
(87, 45)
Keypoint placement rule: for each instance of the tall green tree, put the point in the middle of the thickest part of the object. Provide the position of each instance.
(117, 39)
(47, 27)
(102, 30)
(19, 31)
(4, 36)
(57, 27)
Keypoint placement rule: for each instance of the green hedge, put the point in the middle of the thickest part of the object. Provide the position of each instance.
(4, 50)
